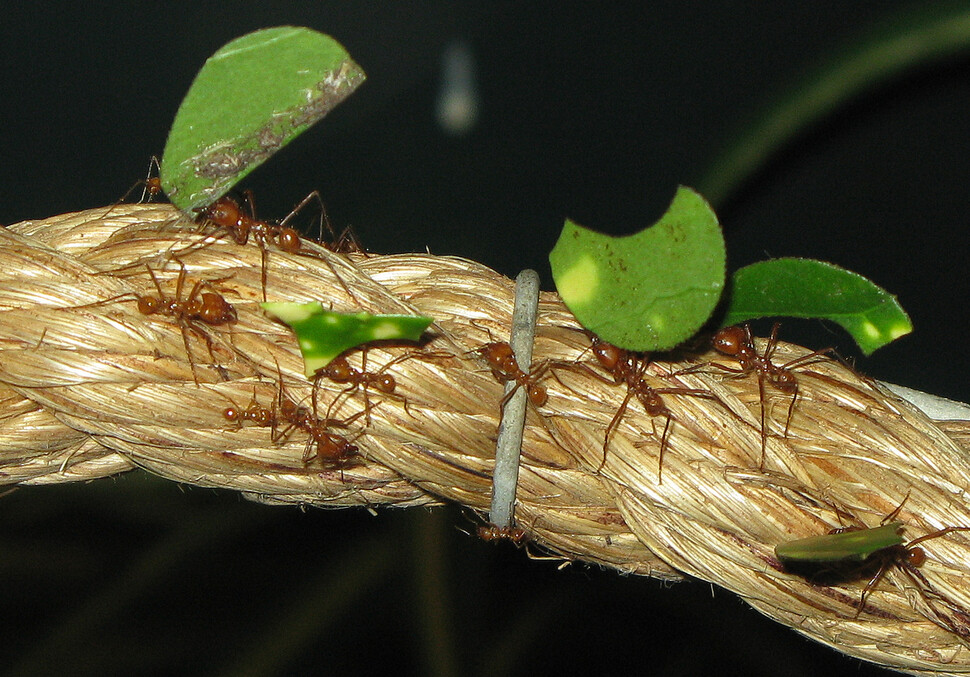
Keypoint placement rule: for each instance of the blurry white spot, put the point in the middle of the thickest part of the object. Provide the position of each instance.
(458, 99)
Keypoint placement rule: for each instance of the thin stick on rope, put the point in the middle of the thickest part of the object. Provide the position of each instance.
(509, 443)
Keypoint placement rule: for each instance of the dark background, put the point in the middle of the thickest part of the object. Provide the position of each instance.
(589, 113)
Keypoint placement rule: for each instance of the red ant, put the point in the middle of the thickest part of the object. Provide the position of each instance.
(501, 360)
(493, 533)
(738, 343)
(330, 447)
(626, 367)
(340, 371)
(227, 213)
(909, 557)
(151, 184)
(208, 308)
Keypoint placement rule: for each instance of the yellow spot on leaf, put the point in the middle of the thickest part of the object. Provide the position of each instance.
(578, 284)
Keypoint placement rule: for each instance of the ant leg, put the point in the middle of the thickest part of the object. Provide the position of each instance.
(663, 448)
(262, 264)
(870, 586)
(772, 341)
(617, 417)
(764, 432)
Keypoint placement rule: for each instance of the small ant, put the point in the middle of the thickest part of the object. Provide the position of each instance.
(501, 360)
(340, 371)
(844, 553)
(322, 444)
(228, 214)
(738, 343)
(493, 533)
(208, 308)
(151, 184)
(630, 368)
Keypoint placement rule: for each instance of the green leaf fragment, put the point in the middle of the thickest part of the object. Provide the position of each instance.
(815, 289)
(646, 291)
(324, 334)
(848, 546)
(250, 99)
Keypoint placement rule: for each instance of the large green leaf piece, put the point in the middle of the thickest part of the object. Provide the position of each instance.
(646, 291)
(815, 289)
(324, 334)
(250, 99)
(847, 546)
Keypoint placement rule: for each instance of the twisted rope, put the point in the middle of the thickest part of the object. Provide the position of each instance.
(91, 387)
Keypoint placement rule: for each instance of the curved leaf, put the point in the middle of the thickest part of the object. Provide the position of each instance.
(912, 37)
(324, 334)
(816, 289)
(250, 99)
(646, 291)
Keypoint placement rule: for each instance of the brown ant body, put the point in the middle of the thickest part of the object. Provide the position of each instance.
(151, 185)
(501, 360)
(340, 371)
(209, 308)
(226, 213)
(493, 533)
(908, 557)
(738, 343)
(627, 367)
(287, 415)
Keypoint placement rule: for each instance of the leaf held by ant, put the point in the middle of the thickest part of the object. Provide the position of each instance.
(324, 334)
(856, 545)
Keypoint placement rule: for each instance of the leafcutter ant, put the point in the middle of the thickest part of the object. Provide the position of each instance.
(501, 360)
(189, 313)
(493, 533)
(847, 553)
(286, 416)
(151, 184)
(738, 343)
(227, 214)
(630, 368)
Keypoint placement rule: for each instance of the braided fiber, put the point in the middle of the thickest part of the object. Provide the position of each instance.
(91, 387)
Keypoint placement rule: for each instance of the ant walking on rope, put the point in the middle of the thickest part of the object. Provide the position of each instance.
(501, 360)
(286, 415)
(226, 213)
(630, 368)
(738, 343)
(848, 552)
(189, 313)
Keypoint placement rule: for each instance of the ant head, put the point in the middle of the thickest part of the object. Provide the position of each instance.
(223, 212)
(730, 341)
(338, 370)
(914, 556)
(607, 354)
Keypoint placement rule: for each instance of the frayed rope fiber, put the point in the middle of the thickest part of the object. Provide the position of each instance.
(91, 387)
